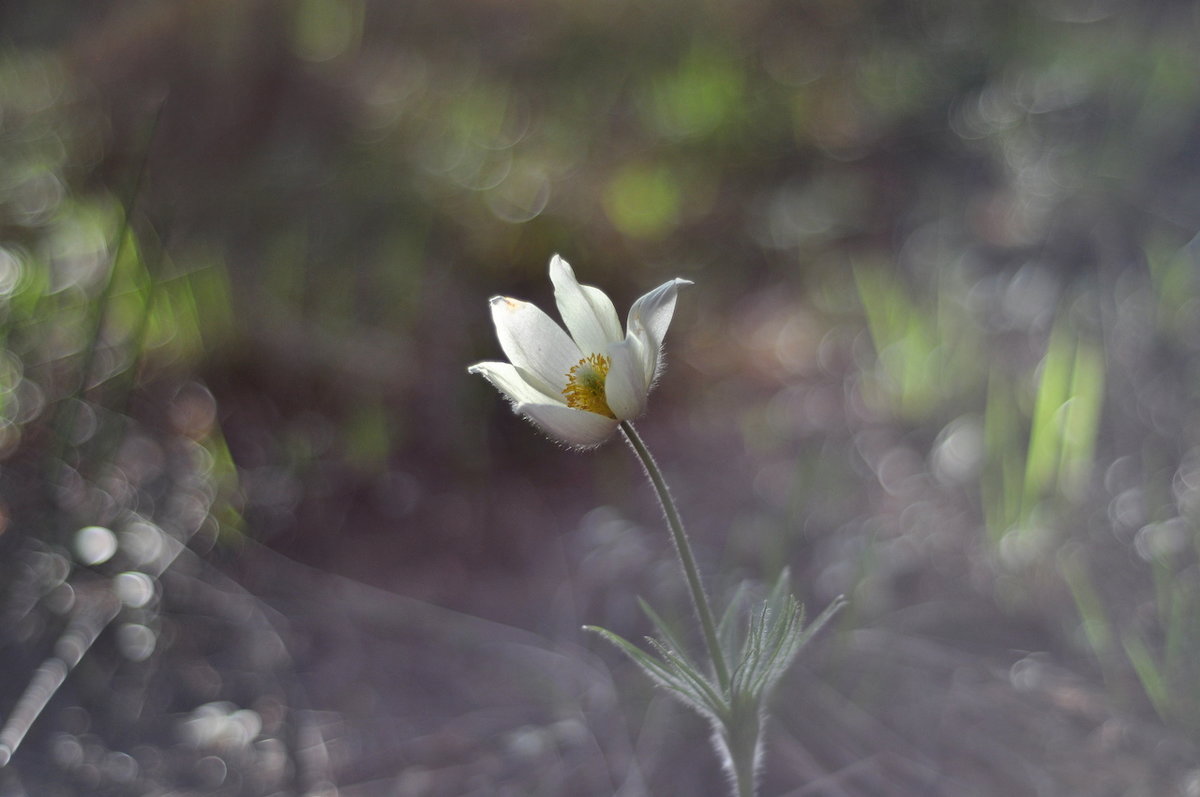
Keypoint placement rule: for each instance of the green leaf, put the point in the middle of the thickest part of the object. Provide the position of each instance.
(665, 631)
(823, 619)
(657, 671)
(727, 628)
(784, 640)
(775, 636)
(764, 644)
(716, 707)
(780, 593)
(1149, 674)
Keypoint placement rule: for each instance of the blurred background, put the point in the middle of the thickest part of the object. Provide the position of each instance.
(260, 533)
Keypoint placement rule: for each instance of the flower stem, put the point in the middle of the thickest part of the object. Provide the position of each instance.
(743, 778)
(684, 549)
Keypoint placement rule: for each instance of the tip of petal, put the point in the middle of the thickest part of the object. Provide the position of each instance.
(560, 269)
(506, 302)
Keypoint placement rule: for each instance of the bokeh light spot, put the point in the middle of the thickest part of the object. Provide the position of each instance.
(958, 452)
(695, 99)
(1159, 541)
(61, 599)
(136, 641)
(643, 201)
(326, 29)
(11, 271)
(134, 589)
(212, 771)
(521, 196)
(66, 750)
(95, 545)
(121, 767)
(142, 541)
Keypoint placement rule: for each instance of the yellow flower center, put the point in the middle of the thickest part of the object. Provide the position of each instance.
(585, 385)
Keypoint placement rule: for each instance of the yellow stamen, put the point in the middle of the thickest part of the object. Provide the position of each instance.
(585, 385)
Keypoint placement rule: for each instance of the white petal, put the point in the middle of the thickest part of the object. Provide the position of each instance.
(646, 351)
(626, 385)
(509, 381)
(588, 313)
(654, 310)
(571, 426)
(606, 313)
(534, 343)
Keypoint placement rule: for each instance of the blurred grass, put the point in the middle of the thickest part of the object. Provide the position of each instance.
(928, 352)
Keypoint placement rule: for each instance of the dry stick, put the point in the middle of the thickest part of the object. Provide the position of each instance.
(87, 624)
(82, 631)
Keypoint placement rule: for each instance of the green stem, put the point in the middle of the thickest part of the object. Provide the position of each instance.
(684, 549)
(741, 739)
(744, 775)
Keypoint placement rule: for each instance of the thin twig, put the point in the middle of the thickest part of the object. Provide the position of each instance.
(70, 648)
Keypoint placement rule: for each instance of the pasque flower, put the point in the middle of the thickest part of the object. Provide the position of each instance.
(578, 387)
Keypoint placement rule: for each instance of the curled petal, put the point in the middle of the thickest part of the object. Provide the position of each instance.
(509, 381)
(654, 310)
(588, 313)
(534, 343)
(574, 427)
(648, 353)
(626, 386)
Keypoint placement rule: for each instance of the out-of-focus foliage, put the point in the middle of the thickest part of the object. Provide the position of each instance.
(946, 266)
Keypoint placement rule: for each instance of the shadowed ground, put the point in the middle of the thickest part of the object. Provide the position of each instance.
(260, 533)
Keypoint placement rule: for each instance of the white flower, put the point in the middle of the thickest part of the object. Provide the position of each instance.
(578, 387)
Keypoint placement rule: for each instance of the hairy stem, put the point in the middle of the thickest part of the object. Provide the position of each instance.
(741, 739)
(684, 549)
